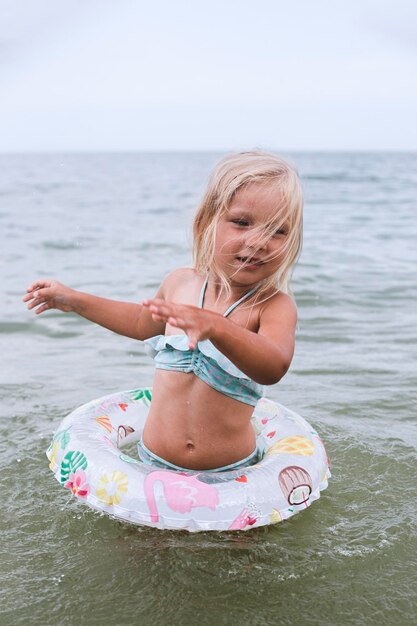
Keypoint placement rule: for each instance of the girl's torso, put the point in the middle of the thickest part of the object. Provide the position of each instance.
(190, 423)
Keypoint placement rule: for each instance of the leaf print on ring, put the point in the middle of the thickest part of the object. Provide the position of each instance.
(62, 437)
(142, 395)
(70, 463)
(52, 454)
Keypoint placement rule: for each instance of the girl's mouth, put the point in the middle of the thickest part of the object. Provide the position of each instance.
(250, 262)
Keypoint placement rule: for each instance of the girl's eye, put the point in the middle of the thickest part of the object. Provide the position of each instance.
(280, 232)
(241, 222)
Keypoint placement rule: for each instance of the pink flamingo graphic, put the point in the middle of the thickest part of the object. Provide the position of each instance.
(182, 492)
(243, 519)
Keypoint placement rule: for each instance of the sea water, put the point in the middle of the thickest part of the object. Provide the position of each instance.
(115, 225)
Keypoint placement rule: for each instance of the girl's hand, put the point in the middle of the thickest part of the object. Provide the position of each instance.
(197, 323)
(49, 294)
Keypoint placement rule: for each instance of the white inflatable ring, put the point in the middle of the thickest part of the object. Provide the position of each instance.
(86, 457)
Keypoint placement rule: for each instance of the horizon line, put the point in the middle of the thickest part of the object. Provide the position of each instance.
(80, 151)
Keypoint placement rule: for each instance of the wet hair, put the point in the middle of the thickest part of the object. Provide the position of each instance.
(232, 174)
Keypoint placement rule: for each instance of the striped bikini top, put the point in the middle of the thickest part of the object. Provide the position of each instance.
(172, 352)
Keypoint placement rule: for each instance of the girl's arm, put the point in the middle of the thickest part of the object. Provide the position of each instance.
(264, 356)
(124, 318)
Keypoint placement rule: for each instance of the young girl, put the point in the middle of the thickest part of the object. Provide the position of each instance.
(218, 331)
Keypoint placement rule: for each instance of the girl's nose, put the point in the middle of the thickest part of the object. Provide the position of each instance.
(255, 241)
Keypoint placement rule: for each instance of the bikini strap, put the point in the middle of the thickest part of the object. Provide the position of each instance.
(247, 295)
(202, 294)
(233, 306)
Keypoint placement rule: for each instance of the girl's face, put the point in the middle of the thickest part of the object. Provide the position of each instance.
(245, 250)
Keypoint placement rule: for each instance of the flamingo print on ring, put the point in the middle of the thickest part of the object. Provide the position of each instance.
(182, 492)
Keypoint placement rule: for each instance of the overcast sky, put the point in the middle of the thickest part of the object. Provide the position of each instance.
(208, 75)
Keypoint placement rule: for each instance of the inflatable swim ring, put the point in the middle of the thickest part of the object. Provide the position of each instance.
(87, 458)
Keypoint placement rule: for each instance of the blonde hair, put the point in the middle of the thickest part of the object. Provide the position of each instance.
(231, 174)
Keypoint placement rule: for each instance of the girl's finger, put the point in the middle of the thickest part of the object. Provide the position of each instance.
(38, 297)
(192, 343)
(38, 284)
(31, 295)
(193, 340)
(42, 308)
(177, 321)
(161, 310)
(153, 301)
(36, 302)
(162, 307)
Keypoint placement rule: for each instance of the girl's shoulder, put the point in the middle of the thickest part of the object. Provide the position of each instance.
(181, 281)
(279, 304)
